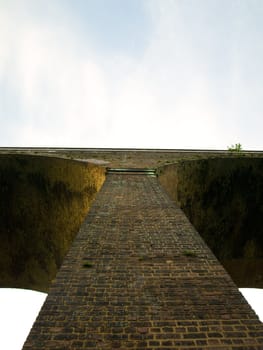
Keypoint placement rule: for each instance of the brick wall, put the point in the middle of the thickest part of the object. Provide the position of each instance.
(138, 276)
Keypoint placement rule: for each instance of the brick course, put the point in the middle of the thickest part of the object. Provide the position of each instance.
(139, 276)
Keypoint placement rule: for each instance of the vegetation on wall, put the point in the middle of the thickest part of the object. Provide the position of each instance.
(235, 148)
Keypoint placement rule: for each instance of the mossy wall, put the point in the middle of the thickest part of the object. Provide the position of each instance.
(43, 201)
(223, 198)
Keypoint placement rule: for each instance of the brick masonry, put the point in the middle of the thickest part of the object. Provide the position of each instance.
(138, 276)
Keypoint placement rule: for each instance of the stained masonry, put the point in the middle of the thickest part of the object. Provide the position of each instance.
(139, 276)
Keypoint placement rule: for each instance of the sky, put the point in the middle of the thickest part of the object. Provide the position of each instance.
(18, 311)
(133, 73)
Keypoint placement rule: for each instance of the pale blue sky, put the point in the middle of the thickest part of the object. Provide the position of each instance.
(134, 73)
(113, 26)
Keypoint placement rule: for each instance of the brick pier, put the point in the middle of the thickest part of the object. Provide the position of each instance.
(138, 276)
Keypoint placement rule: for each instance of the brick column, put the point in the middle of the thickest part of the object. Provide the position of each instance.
(138, 276)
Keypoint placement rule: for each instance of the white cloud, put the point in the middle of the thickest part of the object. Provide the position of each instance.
(190, 87)
(166, 100)
(62, 96)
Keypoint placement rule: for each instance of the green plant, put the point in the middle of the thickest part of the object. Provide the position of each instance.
(143, 257)
(189, 253)
(87, 264)
(235, 148)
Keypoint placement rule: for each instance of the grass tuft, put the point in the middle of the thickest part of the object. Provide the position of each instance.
(189, 253)
(87, 265)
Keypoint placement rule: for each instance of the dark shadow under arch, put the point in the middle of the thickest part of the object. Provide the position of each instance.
(223, 198)
(43, 201)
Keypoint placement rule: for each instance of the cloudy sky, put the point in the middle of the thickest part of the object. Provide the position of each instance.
(133, 73)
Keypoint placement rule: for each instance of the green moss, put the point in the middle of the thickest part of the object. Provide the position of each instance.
(87, 264)
(143, 257)
(189, 253)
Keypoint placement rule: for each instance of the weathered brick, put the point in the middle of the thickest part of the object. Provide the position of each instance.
(140, 289)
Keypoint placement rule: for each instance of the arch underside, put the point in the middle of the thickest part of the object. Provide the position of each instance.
(223, 199)
(43, 201)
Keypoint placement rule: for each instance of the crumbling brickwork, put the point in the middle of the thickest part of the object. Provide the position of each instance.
(138, 276)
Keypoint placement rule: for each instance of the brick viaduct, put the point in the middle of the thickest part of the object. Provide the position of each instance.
(139, 276)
